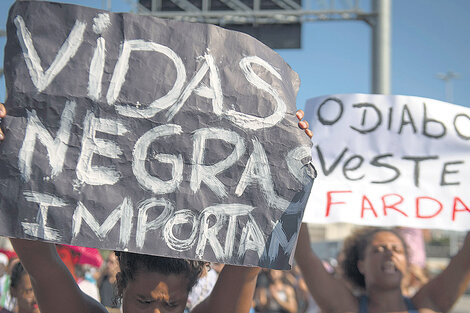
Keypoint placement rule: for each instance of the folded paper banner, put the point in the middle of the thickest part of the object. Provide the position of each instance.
(390, 160)
(134, 133)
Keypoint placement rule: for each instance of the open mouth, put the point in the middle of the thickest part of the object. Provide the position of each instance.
(389, 267)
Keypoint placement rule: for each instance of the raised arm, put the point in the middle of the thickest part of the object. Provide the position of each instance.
(236, 285)
(441, 293)
(330, 293)
(3, 113)
(233, 291)
(54, 286)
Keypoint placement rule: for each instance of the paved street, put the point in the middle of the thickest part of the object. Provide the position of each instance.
(463, 306)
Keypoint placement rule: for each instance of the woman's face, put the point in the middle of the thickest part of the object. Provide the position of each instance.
(275, 274)
(385, 263)
(152, 292)
(24, 295)
(112, 265)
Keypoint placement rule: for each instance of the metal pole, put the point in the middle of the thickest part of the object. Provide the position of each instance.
(447, 78)
(381, 46)
(2, 34)
(106, 4)
(453, 243)
(449, 92)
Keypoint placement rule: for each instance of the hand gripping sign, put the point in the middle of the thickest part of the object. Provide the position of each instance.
(139, 134)
(393, 160)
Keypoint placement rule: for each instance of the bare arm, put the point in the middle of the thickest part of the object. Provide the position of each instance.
(3, 113)
(54, 286)
(331, 294)
(441, 293)
(233, 292)
(261, 299)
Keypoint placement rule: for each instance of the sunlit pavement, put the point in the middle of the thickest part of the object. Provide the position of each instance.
(463, 306)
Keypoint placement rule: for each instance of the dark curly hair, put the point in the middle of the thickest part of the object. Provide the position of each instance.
(17, 273)
(354, 248)
(131, 263)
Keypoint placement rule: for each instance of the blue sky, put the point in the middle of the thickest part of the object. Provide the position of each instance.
(428, 37)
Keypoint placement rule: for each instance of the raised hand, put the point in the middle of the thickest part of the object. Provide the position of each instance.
(3, 113)
(303, 124)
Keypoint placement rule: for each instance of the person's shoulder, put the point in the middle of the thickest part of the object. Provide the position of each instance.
(92, 305)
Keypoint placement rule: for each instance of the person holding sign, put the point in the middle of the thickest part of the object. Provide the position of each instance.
(376, 262)
(140, 129)
(146, 283)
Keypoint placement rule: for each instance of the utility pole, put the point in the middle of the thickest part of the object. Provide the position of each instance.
(3, 33)
(447, 78)
(292, 11)
(106, 4)
(381, 46)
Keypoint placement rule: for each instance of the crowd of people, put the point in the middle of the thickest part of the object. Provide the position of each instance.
(95, 279)
(375, 272)
(276, 290)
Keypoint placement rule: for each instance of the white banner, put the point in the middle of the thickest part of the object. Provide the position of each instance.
(390, 160)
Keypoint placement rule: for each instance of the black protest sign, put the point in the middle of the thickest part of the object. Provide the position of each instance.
(134, 133)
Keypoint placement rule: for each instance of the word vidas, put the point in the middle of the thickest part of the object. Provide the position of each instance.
(176, 96)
